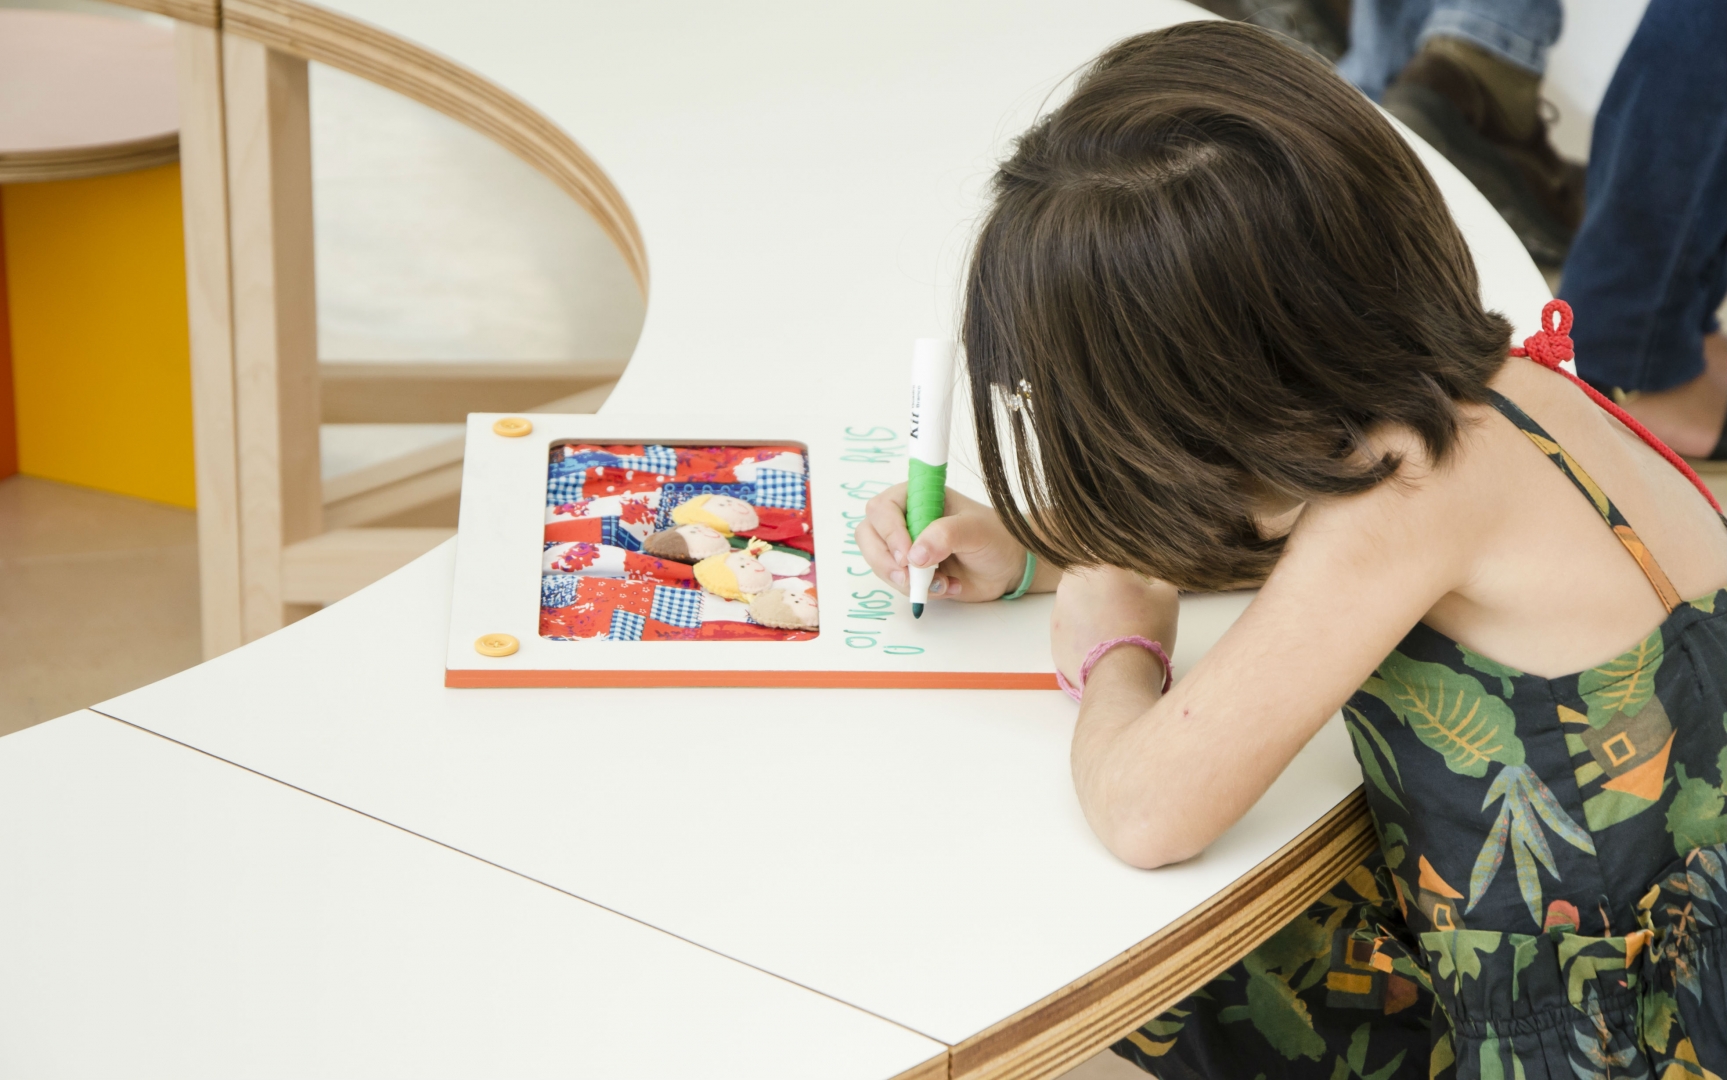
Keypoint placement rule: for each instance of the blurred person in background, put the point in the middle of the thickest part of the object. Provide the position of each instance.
(1648, 270)
(1644, 254)
(1465, 75)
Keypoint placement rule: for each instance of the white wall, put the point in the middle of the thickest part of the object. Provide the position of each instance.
(435, 243)
(1595, 35)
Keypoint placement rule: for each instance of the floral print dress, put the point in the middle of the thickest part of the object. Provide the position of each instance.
(1550, 895)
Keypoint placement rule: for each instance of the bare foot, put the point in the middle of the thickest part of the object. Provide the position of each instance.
(1689, 417)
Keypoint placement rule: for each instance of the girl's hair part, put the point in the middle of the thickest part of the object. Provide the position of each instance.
(1204, 280)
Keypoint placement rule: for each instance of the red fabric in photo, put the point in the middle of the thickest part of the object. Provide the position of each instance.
(603, 480)
(579, 530)
(664, 571)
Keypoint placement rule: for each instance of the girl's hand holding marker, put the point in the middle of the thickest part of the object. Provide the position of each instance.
(926, 539)
(976, 559)
(931, 541)
(971, 554)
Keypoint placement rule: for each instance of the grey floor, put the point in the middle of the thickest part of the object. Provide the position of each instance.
(98, 595)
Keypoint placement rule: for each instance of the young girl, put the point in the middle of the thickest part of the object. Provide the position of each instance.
(1221, 332)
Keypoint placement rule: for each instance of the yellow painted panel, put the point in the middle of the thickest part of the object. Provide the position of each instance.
(96, 272)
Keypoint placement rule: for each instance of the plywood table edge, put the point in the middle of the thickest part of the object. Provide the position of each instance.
(1070, 1025)
(471, 678)
(78, 162)
(315, 33)
(198, 12)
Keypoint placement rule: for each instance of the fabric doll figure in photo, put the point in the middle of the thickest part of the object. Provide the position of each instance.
(785, 609)
(735, 576)
(686, 543)
(721, 512)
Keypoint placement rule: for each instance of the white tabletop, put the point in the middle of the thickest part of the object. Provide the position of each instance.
(166, 914)
(918, 854)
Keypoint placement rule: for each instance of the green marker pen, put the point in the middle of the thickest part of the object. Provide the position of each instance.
(926, 480)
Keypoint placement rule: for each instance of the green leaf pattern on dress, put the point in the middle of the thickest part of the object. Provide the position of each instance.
(1581, 785)
(1370, 746)
(1449, 712)
(1526, 803)
(1623, 684)
(1493, 668)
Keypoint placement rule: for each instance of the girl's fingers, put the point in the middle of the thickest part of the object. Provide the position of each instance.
(886, 515)
(970, 534)
(877, 555)
(934, 544)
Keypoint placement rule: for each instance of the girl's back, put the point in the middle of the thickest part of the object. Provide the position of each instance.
(1552, 829)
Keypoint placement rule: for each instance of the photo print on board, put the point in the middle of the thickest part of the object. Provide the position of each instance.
(651, 542)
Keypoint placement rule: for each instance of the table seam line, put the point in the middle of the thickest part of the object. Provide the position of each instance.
(526, 877)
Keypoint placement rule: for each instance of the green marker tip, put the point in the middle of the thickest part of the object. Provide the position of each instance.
(917, 611)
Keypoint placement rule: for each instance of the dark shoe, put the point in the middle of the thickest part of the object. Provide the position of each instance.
(1321, 25)
(1538, 193)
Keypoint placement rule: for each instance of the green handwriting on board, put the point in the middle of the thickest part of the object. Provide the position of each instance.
(874, 611)
(872, 446)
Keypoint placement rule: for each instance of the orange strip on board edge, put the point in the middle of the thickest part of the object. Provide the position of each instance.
(472, 678)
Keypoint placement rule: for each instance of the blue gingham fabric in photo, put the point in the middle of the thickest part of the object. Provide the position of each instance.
(626, 626)
(564, 489)
(581, 462)
(557, 590)
(612, 532)
(673, 494)
(780, 488)
(677, 607)
(660, 460)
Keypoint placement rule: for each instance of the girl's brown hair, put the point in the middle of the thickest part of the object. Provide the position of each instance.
(1208, 276)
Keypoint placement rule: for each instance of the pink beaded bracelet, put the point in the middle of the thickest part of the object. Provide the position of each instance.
(1096, 654)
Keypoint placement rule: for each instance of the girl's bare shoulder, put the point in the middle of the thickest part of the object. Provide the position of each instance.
(1423, 505)
(1414, 532)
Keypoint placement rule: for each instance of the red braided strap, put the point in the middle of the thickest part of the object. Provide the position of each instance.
(1550, 348)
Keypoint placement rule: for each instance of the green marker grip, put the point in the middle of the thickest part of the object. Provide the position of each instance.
(925, 495)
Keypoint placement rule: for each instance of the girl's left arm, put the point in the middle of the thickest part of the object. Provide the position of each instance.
(1162, 776)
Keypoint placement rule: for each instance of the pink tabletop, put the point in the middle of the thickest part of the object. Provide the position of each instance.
(70, 81)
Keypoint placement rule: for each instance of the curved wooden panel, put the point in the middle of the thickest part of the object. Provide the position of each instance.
(1070, 1025)
(316, 34)
(73, 162)
(197, 12)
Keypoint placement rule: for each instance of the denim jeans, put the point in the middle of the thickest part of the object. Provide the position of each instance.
(1384, 34)
(1649, 266)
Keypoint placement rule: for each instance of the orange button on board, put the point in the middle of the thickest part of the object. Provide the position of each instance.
(512, 427)
(496, 645)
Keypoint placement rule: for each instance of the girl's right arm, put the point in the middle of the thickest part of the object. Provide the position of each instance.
(1161, 776)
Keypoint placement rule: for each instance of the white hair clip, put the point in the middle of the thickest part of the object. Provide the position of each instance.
(1021, 397)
